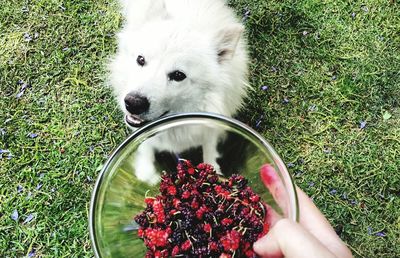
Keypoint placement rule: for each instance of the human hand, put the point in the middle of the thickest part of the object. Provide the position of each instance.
(312, 237)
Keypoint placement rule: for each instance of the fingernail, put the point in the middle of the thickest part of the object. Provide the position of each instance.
(268, 175)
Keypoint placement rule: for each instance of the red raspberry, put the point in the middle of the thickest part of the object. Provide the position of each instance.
(191, 171)
(159, 211)
(186, 245)
(175, 251)
(218, 189)
(231, 241)
(226, 221)
(157, 237)
(255, 198)
(207, 227)
(149, 200)
(172, 190)
(213, 246)
(200, 212)
(185, 195)
(194, 204)
(176, 203)
(201, 166)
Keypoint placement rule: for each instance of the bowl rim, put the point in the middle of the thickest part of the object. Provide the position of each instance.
(293, 200)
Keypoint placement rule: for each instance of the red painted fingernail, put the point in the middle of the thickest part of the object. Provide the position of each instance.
(268, 174)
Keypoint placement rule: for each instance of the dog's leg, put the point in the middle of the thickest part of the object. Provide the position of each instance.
(210, 152)
(144, 164)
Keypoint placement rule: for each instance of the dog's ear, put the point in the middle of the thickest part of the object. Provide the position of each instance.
(227, 40)
(156, 10)
(137, 12)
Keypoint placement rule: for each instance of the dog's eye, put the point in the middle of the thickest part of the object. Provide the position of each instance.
(176, 76)
(140, 60)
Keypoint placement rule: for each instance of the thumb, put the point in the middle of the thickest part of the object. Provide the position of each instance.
(288, 239)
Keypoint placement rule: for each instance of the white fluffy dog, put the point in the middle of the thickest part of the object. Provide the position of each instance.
(178, 56)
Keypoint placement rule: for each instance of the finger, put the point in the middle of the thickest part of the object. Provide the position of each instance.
(315, 222)
(288, 239)
(272, 216)
(275, 186)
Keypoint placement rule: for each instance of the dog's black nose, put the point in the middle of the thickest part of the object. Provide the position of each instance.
(136, 104)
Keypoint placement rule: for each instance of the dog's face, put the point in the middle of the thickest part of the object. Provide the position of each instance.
(163, 68)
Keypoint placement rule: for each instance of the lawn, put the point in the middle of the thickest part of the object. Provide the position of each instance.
(329, 105)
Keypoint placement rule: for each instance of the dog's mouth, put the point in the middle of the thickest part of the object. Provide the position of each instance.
(137, 121)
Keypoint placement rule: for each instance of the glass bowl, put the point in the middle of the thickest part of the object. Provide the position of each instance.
(119, 193)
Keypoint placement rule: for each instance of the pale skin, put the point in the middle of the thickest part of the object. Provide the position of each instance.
(311, 237)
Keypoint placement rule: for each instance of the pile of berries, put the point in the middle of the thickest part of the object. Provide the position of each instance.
(199, 214)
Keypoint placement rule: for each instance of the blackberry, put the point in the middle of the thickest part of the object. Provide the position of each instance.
(141, 219)
(177, 237)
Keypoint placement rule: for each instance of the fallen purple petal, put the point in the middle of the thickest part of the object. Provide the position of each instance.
(305, 33)
(365, 8)
(246, 14)
(312, 108)
(32, 253)
(290, 165)
(39, 186)
(334, 78)
(311, 184)
(344, 196)
(4, 151)
(380, 234)
(24, 86)
(333, 191)
(15, 215)
(29, 218)
(91, 148)
(33, 135)
(19, 95)
(27, 37)
(264, 88)
(285, 100)
(298, 172)
(274, 69)
(19, 188)
(327, 150)
(363, 124)
(353, 15)
(24, 9)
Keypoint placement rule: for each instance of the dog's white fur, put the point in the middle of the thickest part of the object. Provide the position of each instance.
(201, 38)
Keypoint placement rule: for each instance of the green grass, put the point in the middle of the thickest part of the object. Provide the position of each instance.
(334, 69)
